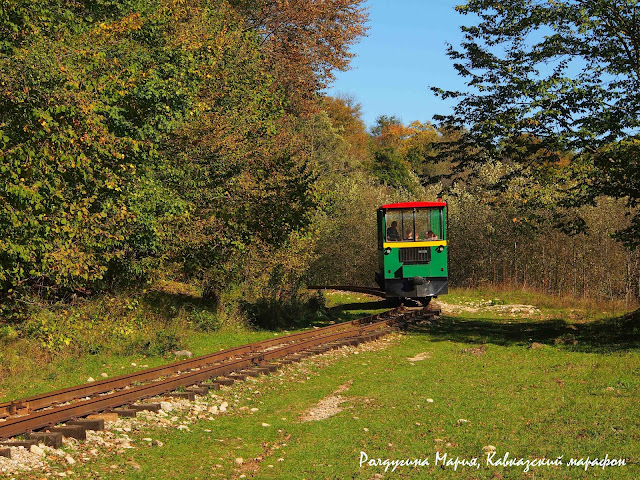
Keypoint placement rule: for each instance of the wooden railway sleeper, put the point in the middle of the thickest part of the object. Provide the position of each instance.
(79, 432)
(125, 412)
(225, 381)
(51, 439)
(367, 332)
(198, 390)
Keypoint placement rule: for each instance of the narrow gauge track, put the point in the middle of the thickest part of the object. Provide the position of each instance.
(95, 388)
(44, 411)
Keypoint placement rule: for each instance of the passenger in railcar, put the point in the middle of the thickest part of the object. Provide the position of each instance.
(392, 232)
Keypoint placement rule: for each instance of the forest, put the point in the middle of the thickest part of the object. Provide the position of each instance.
(192, 141)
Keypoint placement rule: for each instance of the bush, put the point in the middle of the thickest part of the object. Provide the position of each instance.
(272, 314)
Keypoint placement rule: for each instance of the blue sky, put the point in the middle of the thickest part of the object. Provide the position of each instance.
(404, 54)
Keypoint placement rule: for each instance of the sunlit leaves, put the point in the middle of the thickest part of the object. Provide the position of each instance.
(550, 81)
(136, 133)
(305, 41)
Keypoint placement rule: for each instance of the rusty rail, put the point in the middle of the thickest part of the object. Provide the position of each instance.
(208, 367)
(95, 388)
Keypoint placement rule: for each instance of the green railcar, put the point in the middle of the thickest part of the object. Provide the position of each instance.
(412, 250)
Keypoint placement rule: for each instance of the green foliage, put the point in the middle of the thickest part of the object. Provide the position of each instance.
(7, 333)
(550, 79)
(163, 343)
(138, 135)
(276, 315)
(46, 329)
(80, 204)
(392, 169)
(205, 320)
(22, 20)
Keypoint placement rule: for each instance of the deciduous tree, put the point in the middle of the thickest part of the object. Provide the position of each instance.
(565, 73)
(306, 41)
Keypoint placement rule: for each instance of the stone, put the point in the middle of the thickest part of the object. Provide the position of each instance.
(239, 461)
(183, 353)
(36, 450)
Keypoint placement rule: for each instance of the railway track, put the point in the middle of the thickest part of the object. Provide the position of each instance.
(43, 412)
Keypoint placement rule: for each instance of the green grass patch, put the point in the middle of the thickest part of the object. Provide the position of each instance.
(456, 387)
(569, 307)
(459, 387)
(63, 345)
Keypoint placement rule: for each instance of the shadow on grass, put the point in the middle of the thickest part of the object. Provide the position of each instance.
(609, 335)
(265, 313)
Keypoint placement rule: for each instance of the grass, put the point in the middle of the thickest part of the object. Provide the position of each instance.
(114, 335)
(480, 385)
(565, 306)
(64, 345)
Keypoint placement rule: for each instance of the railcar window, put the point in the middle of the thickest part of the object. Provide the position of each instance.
(400, 226)
(408, 233)
(437, 226)
(393, 222)
(429, 224)
(423, 224)
(414, 225)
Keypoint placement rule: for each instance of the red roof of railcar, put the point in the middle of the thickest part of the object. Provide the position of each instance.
(415, 205)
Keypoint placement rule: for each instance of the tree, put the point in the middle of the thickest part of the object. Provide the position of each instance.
(346, 116)
(306, 40)
(551, 78)
(387, 129)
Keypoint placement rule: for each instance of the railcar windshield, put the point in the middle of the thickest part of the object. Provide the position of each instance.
(417, 224)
